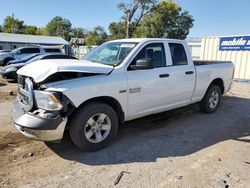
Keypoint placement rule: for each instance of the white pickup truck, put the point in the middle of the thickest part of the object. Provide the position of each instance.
(118, 81)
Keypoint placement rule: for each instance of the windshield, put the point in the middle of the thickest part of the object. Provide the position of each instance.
(110, 53)
(15, 50)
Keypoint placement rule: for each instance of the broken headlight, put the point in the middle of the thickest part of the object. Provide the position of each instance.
(47, 101)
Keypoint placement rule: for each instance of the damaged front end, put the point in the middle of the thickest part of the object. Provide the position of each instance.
(42, 114)
(38, 114)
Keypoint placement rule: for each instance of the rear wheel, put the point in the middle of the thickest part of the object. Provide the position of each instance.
(211, 100)
(94, 126)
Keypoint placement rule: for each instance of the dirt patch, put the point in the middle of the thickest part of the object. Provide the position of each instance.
(7, 88)
(180, 148)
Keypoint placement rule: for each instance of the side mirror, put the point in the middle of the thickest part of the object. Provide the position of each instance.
(18, 52)
(145, 63)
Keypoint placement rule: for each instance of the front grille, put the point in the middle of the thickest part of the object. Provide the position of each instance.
(25, 90)
(21, 81)
(21, 85)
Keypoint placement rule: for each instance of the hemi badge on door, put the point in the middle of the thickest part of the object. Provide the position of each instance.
(135, 90)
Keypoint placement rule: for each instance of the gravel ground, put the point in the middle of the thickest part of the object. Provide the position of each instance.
(180, 148)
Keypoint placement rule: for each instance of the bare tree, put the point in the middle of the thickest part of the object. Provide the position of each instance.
(134, 12)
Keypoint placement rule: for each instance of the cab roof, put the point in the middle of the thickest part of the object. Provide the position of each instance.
(138, 40)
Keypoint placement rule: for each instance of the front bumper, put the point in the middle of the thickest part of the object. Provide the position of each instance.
(38, 125)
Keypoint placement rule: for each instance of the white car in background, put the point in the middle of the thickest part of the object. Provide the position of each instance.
(4, 51)
(24, 51)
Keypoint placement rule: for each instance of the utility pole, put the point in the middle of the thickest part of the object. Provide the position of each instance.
(127, 12)
(13, 25)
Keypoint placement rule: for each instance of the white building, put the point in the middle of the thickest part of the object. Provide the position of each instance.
(10, 41)
(81, 51)
(234, 48)
(194, 46)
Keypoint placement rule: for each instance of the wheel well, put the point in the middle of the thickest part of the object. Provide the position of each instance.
(7, 59)
(111, 102)
(218, 82)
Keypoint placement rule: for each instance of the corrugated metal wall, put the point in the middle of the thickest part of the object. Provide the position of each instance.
(241, 59)
(195, 50)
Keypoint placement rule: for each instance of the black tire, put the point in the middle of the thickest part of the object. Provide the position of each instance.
(79, 121)
(205, 104)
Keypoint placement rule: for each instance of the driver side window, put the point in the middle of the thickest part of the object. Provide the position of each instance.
(155, 51)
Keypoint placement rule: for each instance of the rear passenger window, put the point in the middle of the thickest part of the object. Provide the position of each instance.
(156, 51)
(52, 50)
(178, 54)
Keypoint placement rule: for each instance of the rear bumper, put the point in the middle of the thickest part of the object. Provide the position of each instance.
(32, 125)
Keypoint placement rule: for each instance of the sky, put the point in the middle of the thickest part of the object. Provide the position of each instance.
(212, 17)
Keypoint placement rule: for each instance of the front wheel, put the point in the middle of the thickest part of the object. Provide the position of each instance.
(211, 101)
(94, 126)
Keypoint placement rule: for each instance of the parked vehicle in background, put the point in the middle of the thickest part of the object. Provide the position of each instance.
(51, 56)
(24, 51)
(23, 60)
(4, 51)
(118, 81)
(9, 71)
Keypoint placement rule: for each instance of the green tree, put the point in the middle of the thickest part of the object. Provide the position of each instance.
(78, 32)
(41, 31)
(166, 19)
(30, 30)
(12, 25)
(96, 37)
(59, 26)
(117, 30)
(1, 28)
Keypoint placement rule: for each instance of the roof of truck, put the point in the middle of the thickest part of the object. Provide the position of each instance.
(144, 40)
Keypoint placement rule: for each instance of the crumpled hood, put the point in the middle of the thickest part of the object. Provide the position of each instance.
(42, 69)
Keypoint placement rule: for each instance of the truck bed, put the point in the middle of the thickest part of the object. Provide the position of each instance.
(207, 71)
(206, 62)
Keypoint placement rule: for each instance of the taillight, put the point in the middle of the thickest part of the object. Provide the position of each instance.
(233, 73)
